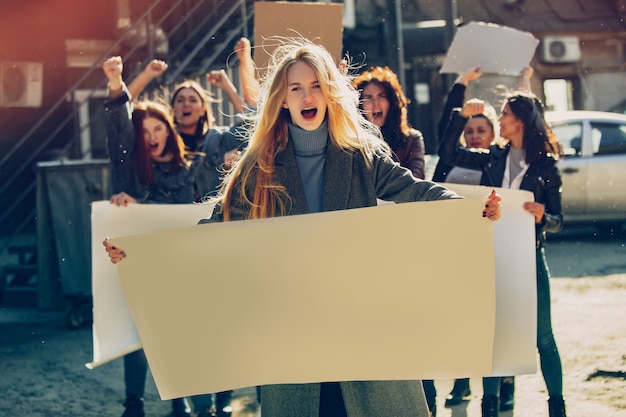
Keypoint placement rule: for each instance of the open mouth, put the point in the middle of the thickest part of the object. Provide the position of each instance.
(309, 114)
(377, 117)
(186, 113)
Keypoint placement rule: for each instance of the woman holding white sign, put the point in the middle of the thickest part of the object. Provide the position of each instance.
(480, 131)
(527, 162)
(149, 165)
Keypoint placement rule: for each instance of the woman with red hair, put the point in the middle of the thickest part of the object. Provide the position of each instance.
(148, 165)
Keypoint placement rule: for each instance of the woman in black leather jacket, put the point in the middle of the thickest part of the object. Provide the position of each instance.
(528, 161)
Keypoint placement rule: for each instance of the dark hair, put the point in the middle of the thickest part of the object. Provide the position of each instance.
(173, 145)
(538, 136)
(396, 127)
(205, 121)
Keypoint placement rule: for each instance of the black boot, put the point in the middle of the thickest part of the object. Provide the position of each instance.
(431, 395)
(460, 390)
(134, 406)
(507, 393)
(489, 406)
(556, 405)
(181, 407)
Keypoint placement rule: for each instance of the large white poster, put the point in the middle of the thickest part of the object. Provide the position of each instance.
(114, 333)
(497, 49)
(364, 292)
(516, 285)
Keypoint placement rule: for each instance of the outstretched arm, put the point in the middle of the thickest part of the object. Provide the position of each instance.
(247, 72)
(471, 74)
(154, 69)
(456, 97)
(523, 81)
(113, 68)
(220, 79)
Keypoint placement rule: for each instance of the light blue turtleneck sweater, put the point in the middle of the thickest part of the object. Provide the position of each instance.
(310, 150)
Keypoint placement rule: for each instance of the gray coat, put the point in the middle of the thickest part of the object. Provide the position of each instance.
(348, 184)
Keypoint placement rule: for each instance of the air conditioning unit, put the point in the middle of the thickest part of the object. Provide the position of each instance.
(560, 49)
(21, 84)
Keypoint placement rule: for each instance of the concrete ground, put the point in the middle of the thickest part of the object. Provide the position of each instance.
(43, 372)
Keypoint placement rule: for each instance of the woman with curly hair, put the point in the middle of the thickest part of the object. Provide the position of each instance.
(384, 104)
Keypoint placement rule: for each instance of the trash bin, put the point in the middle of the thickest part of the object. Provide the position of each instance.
(65, 191)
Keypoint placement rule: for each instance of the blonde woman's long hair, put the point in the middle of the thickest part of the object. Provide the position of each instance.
(348, 129)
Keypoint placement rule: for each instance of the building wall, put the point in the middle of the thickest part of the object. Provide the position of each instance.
(601, 70)
(597, 78)
(36, 31)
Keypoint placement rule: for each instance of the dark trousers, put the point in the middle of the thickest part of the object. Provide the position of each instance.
(331, 400)
(135, 373)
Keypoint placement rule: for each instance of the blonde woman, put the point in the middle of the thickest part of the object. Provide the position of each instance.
(312, 151)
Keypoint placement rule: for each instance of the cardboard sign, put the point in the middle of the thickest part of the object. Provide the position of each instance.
(321, 23)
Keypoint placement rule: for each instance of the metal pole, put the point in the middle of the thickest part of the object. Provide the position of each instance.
(452, 15)
(400, 43)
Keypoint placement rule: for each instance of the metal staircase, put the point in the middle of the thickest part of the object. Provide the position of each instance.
(200, 35)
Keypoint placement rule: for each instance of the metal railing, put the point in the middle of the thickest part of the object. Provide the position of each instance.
(221, 15)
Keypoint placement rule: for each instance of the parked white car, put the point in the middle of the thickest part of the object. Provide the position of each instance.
(594, 167)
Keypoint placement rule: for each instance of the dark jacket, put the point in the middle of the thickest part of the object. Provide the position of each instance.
(202, 177)
(542, 178)
(348, 184)
(169, 186)
(410, 153)
(209, 160)
(455, 99)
